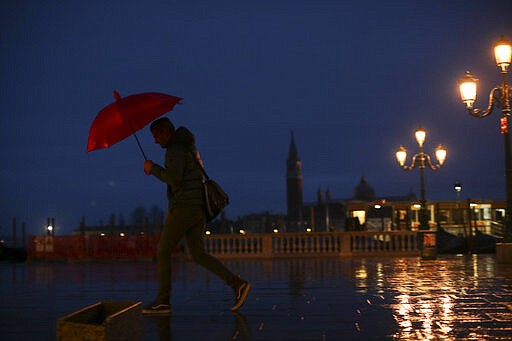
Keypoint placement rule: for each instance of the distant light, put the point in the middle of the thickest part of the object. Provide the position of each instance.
(102, 234)
(207, 232)
(49, 228)
(308, 229)
(121, 234)
(141, 233)
(242, 231)
(473, 205)
(276, 230)
(457, 187)
(377, 206)
(416, 206)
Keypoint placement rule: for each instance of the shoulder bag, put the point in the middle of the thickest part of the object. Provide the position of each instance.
(215, 197)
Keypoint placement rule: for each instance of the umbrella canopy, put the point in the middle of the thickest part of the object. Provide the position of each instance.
(126, 116)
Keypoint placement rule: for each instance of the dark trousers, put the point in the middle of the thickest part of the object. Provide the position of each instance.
(185, 222)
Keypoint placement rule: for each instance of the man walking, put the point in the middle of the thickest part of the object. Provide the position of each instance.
(185, 215)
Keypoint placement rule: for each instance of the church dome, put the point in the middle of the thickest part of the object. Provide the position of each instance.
(364, 191)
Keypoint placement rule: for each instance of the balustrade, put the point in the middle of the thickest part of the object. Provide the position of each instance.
(269, 245)
(313, 244)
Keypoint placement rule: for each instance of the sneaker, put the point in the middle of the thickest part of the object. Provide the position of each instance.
(157, 308)
(241, 295)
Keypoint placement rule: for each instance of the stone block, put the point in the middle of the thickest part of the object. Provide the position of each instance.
(118, 320)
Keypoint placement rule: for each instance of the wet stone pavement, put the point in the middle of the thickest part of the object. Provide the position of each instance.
(451, 298)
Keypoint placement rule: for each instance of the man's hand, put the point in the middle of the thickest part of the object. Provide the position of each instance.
(147, 166)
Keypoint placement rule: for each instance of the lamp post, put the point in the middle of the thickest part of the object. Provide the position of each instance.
(50, 227)
(421, 160)
(500, 96)
(460, 217)
(457, 187)
(378, 207)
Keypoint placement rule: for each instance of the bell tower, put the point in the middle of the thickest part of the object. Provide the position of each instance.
(294, 186)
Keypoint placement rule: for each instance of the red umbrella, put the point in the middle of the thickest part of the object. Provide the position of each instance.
(127, 115)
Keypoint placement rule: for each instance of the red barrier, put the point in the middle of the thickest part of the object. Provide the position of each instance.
(117, 247)
(93, 247)
(62, 247)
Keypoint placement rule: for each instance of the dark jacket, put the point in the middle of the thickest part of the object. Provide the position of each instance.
(182, 175)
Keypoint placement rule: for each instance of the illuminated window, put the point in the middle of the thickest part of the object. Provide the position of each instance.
(361, 215)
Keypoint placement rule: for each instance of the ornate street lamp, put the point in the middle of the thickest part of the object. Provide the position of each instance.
(499, 96)
(421, 160)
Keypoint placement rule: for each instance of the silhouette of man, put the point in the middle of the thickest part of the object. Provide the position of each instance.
(185, 215)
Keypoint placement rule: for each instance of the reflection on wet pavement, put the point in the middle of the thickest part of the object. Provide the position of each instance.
(456, 297)
(465, 297)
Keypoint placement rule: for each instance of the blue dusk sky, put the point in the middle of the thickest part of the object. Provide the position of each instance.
(351, 79)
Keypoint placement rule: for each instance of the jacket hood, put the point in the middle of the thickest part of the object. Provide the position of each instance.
(184, 136)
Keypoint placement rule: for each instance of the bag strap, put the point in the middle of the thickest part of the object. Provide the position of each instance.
(200, 165)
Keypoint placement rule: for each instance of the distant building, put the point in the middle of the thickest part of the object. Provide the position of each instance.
(328, 214)
(363, 210)
(364, 191)
(324, 215)
(294, 188)
(265, 222)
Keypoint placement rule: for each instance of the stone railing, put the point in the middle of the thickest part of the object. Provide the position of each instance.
(381, 243)
(270, 245)
(392, 243)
